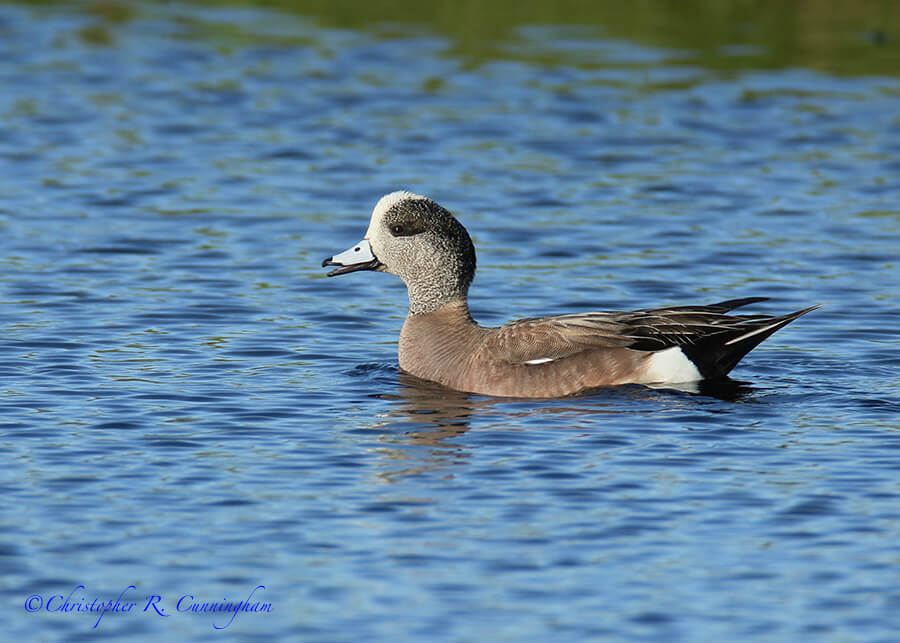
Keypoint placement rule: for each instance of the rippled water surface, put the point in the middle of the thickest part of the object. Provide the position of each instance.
(191, 408)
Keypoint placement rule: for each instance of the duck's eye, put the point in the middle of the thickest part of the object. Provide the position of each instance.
(397, 230)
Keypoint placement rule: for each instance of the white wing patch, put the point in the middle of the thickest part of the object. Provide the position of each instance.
(540, 360)
(671, 366)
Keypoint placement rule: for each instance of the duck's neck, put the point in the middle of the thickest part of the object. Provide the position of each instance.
(429, 296)
(455, 311)
(439, 342)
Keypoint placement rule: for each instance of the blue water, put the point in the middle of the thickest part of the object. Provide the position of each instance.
(191, 408)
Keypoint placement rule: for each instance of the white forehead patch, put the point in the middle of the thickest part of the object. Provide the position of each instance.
(387, 202)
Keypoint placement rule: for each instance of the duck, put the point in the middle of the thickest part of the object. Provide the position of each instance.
(418, 240)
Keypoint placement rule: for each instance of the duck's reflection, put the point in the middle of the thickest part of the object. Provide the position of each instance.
(444, 413)
(434, 413)
(422, 426)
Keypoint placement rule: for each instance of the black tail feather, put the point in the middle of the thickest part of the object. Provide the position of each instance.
(721, 307)
(716, 354)
(731, 304)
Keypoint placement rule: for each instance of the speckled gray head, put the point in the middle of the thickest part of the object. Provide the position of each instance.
(418, 240)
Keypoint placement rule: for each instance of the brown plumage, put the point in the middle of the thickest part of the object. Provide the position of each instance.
(417, 239)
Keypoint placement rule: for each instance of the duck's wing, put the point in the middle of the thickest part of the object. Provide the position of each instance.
(711, 338)
(544, 339)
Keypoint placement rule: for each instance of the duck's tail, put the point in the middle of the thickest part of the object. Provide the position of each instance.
(716, 354)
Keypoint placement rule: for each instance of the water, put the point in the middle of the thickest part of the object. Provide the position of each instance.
(191, 408)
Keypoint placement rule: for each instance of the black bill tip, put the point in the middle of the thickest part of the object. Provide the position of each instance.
(374, 264)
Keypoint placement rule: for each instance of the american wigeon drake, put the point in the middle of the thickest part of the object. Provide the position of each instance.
(421, 242)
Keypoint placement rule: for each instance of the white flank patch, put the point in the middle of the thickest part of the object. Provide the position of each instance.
(540, 360)
(671, 366)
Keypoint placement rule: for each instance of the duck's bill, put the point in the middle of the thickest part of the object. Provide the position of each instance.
(359, 257)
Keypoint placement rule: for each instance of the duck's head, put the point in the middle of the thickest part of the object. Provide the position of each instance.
(418, 240)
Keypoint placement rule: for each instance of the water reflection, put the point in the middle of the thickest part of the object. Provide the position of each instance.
(420, 432)
(731, 35)
(421, 401)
